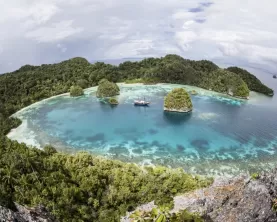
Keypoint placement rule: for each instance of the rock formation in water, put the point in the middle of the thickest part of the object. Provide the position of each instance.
(240, 199)
(76, 91)
(178, 100)
(107, 89)
(113, 101)
(23, 214)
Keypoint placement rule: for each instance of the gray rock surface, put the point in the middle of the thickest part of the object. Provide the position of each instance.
(24, 214)
(240, 199)
(183, 110)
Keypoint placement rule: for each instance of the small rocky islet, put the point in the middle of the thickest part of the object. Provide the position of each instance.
(178, 100)
(107, 88)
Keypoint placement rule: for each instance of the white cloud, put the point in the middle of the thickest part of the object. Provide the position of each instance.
(225, 30)
(57, 31)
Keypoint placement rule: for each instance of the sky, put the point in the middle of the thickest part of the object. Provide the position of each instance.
(239, 32)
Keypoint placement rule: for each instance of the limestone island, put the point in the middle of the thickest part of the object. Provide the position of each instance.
(113, 101)
(76, 91)
(107, 89)
(178, 100)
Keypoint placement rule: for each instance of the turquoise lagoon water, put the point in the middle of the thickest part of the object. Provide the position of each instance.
(222, 136)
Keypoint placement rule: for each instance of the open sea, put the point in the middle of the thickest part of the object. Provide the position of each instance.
(222, 136)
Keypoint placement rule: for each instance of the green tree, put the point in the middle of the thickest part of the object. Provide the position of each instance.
(178, 99)
(107, 89)
(252, 81)
(76, 91)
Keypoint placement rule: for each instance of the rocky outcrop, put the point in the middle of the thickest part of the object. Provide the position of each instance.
(240, 199)
(24, 214)
(178, 100)
(236, 200)
(107, 89)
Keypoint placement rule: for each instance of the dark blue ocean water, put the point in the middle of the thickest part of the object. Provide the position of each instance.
(220, 136)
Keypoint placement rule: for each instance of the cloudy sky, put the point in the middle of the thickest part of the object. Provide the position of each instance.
(225, 31)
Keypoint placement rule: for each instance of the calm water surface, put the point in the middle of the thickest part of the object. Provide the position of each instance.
(221, 135)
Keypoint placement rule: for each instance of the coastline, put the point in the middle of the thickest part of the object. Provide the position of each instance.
(88, 91)
(177, 110)
(38, 103)
(35, 137)
(31, 141)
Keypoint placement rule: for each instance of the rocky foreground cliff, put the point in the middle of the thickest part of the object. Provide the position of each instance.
(240, 199)
(25, 214)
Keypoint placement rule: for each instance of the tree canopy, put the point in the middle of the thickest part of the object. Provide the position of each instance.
(76, 91)
(107, 89)
(225, 82)
(29, 84)
(83, 187)
(178, 100)
(252, 81)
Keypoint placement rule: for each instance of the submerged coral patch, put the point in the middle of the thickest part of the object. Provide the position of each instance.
(97, 137)
(180, 148)
(200, 144)
(153, 131)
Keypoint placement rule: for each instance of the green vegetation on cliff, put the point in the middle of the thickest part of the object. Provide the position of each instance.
(225, 82)
(83, 187)
(30, 84)
(107, 89)
(76, 91)
(252, 81)
(178, 100)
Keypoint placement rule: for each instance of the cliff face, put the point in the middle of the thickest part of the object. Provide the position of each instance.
(23, 214)
(240, 199)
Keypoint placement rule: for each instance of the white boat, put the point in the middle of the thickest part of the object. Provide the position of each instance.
(141, 103)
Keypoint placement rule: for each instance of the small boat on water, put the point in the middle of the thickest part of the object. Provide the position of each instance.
(141, 103)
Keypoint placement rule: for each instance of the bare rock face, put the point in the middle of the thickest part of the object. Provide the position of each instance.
(240, 199)
(236, 200)
(23, 214)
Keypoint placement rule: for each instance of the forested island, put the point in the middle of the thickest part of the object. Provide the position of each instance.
(107, 89)
(178, 100)
(82, 187)
(76, 91)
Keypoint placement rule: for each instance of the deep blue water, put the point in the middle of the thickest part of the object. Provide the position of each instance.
(220, 136)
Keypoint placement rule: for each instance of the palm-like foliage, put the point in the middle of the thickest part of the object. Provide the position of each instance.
(84, 187)
(9, 176)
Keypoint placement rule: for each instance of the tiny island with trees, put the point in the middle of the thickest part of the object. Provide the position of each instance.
(178, 100)
(107, 89)
(113, 101)
(83, 187)
(76, 91)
